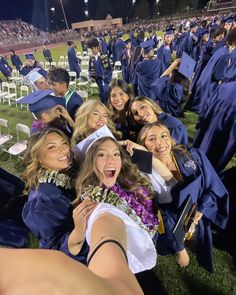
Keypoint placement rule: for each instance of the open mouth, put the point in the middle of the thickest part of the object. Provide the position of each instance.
(63, 158)
(100, 123)
(109, 172)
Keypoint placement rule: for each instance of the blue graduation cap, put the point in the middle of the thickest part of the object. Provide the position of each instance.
(82, 147)
(170, 31)
(41, 100)
(147, 45)
(193, 25)
(29, 56)
(127, 41)
(187, 66)
(229, 20)
(205, 32)
(120, 34)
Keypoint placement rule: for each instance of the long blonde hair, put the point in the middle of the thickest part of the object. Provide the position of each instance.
(129, 177)
(81, 130)
(31, 159)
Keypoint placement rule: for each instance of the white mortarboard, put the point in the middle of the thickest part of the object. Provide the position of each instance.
(82, 147)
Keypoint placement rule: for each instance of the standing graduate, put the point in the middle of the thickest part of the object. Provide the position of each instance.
(126, 62)
(72, 58)
(189, 42)
(217, 126)
(119, 47)
(5, 68)
(47, 54)
(15, 60)
(165, 51)
(148, 71)
(99, 69)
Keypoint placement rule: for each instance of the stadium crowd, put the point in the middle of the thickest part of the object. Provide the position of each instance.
(125, 159)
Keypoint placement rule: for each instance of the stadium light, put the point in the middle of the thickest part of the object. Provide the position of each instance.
(86, 12)
(62, 7)
(52, 9)
(85, 1)
(133, 1)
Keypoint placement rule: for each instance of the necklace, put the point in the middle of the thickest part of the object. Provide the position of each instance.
(60, 179)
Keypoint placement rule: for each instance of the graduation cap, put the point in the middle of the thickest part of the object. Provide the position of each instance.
(127, 41)
(41, 100)
(193, 25)
(205, 32)
(170, 31)
(147, 45)
(229, 20)
(187, 65)
(29, 56)
(82, 147)
(120, 34)
(143, 159)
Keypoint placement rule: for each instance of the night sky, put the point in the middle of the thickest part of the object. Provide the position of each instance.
(39, 14)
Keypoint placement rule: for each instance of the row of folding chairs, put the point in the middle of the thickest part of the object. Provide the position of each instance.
(8, 93)
(15, 146)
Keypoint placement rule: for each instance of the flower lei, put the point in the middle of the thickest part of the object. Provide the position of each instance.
(37, 124)
(105, 195)
(60, 179)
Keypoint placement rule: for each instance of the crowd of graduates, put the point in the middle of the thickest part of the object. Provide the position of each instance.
(107, 182)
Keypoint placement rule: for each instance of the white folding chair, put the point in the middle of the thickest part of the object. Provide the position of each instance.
(47, 65)
(53, 64)
(61, 64)
(61, 58)
(117, 65)
(12, 94)
(5, 135)
(41, 63)
(4, 91)
(83, 80)
(22, 135)
(24, 90)
(73, 78)
(84, 65)
(83, 94)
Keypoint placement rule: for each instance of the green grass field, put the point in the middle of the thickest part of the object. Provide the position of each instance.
(174, 280)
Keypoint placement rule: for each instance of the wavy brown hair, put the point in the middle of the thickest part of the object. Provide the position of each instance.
(31, 159)
(129, 177)
(118, 116)
(81, 130)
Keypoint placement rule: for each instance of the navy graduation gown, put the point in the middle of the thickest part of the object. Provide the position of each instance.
(47, 55)
(13, 232)
(119, 48)
(15, 60)
(73, 61)
(73, 104)
(164, 54)
(148, 73)
(5, 68)
(210, 195)
(169, 96)
(26, 69)
(204, 84)
(48, 214)
(126, 67)
(216, 136)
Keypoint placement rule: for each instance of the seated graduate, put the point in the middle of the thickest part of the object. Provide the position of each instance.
(91, 116)
(49, 111)
(197, 178)
(36, 80)
(108, 177)
(48, 182)
(217, 127)
(119, 97)
(144, 111)
(172, 89)
(148, 71)
(12, 228)
(59, 80)
(107, 273)
(29, 64)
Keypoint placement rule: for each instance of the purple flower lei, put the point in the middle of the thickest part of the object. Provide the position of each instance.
(143, 208)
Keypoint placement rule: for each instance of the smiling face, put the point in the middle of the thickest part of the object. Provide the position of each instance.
(108, 163)
(55, 152)
(143, 113)
(97, 118)
(168, 39)
(158, 142)
(118, 98)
